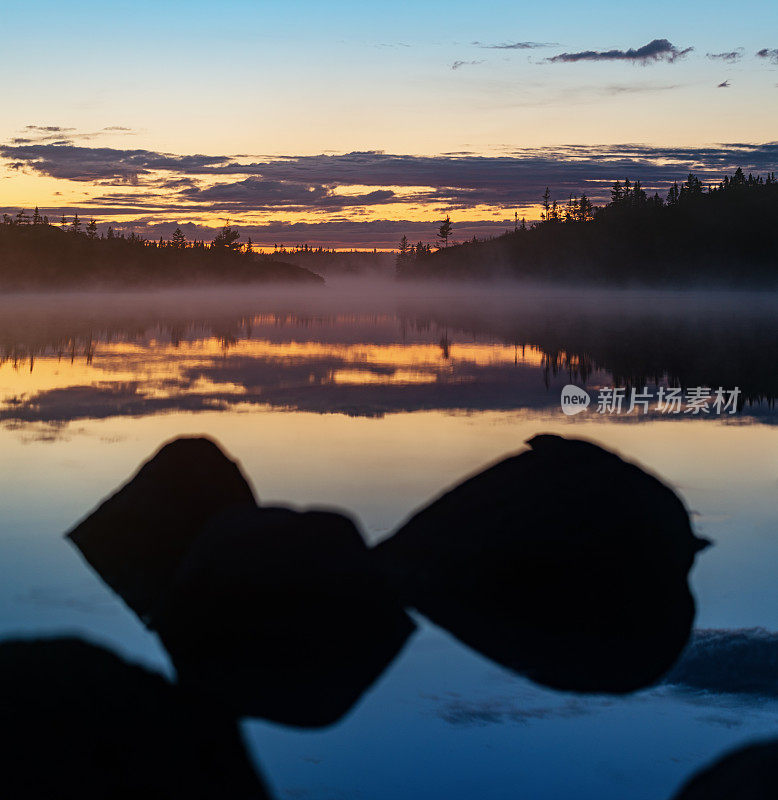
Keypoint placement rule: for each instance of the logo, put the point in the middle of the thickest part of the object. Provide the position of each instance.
(574, 399)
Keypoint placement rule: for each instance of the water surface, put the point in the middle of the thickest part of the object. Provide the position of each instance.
(374, 398)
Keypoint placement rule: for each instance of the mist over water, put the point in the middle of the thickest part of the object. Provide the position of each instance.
(375, 395)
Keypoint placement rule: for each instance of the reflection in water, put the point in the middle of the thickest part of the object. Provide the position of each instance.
(123, 373)
(738, 662)
(411, 353)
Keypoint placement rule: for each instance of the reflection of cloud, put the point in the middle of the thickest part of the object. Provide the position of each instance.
(499, 711)
(504, 351)
(656, 50)
(741, 661)
(319, 384)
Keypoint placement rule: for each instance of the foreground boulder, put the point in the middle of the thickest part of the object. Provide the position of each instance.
(280, 614)
(136, 538)
(80, 722)
(564, 563)
(747, 774)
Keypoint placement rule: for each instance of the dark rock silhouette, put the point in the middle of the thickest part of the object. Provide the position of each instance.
(280, 614)
(136, 538)
(272, 612)
(750, 773)
(80, 722)
(563, 562)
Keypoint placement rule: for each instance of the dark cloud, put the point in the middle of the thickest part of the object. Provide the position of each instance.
(770, 55)
(187, 185)
(47, 128)
(56, 134)
(459, 64)
(79, 163)
(515, 45)
(258, 194)
(729, 57)
(656, 50)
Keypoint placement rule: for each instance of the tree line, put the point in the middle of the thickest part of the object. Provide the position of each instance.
(723, 231)
(34, 252)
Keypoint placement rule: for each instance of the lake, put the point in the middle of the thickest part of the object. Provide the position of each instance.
(374, 398)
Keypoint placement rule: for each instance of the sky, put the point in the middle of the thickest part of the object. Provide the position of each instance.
(349, 124)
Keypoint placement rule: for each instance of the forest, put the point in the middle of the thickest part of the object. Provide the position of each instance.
(725, 234)
(35, 254)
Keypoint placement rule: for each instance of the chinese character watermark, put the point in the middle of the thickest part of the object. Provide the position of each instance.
(696, 401)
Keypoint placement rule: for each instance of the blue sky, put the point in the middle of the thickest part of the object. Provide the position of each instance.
(305, 78)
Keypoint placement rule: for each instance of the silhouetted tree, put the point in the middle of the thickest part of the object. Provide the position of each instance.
(226, 239)
(404, 254)
(546, 204)
(178, 240)
(444, 231)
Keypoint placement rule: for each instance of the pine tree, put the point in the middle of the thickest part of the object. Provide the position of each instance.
(226, 239)
(179, 240)
(404, 254)
(546, 204)
(444, 231)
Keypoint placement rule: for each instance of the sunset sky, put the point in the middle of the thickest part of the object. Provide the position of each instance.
(349, 124)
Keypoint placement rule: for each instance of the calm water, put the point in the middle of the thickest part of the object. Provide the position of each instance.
(373, 399)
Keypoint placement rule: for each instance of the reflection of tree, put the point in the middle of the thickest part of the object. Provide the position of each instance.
(445, 346)
(712, 345)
